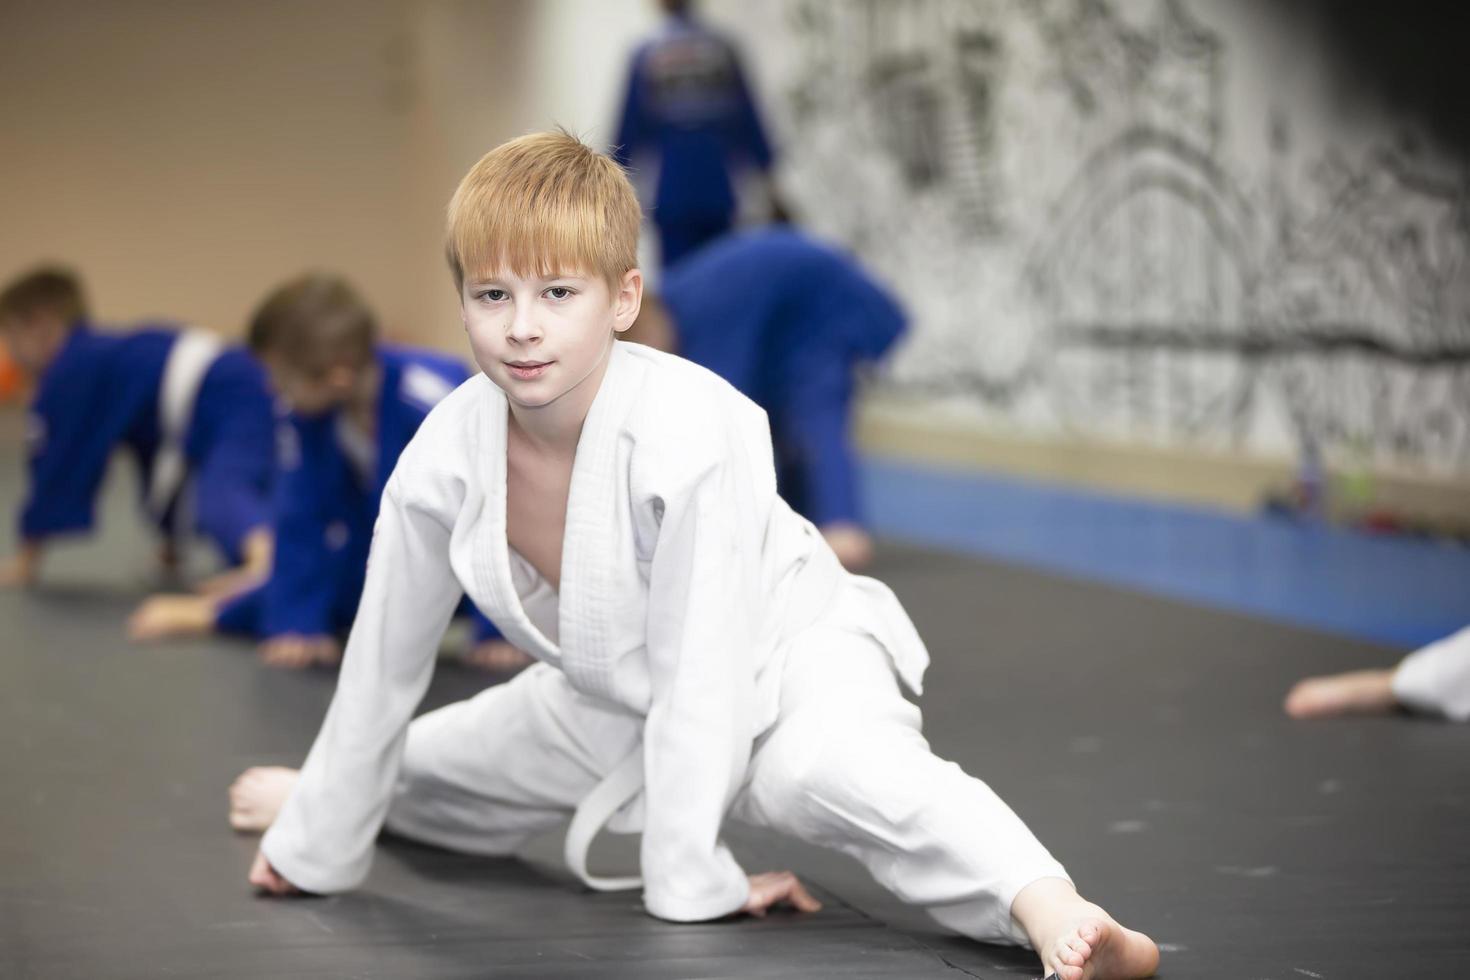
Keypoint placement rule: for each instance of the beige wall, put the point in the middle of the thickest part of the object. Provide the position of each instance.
(185, 155)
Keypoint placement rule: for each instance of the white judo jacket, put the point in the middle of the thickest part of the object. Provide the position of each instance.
(683, 578)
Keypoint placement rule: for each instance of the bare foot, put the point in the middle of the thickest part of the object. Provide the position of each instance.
(850, 543)
(496, 656)
(294, 652)
(1076, 939)
(1358, 692)
(163, 616)
(21, 570)
(257, 795)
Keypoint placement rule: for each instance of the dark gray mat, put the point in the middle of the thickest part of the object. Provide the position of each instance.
(1142, 739)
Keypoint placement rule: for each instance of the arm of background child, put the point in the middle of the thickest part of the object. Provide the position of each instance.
(300, 593)
(1436, 678)
(634, 126)
(234, 503)
(233, 447)
(322, 841)
(749, 134)
(242, 614)
(68, 448)
(697, 738)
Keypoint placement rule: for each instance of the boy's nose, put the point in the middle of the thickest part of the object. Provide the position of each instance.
(523, 329)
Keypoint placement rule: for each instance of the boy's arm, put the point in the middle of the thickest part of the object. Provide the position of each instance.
(68, 448)
(1436, 678)
(234, 502)
(298, 595)
(322, 840)
(697, 738)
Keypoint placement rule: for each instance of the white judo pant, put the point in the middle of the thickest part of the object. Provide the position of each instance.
(844, 766)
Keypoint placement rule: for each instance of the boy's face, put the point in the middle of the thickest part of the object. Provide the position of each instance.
(311, 394)
(540, 337)
(34, 338)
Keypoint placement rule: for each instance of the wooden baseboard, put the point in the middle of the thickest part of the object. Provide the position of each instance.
(892, 427)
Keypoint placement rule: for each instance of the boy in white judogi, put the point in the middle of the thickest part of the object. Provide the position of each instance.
(613, 509)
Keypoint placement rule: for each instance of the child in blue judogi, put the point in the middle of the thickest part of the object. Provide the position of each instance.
(787, 321)
(353, 405)
(688, 112)
(194, 413)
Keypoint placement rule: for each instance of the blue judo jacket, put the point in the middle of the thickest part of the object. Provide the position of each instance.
(326, 506)
(101, 394)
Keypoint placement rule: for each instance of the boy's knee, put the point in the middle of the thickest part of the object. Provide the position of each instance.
(819, 771)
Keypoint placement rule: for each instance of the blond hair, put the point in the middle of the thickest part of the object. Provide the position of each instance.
(543, 204)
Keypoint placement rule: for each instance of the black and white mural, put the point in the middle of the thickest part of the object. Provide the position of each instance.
(1106, 222)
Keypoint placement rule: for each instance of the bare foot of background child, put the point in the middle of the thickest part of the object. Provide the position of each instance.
(1358, 692)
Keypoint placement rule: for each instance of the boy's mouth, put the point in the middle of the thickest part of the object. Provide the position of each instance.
(527, 370)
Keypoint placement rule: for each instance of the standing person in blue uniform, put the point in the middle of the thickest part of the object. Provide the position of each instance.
(788, 322)
(353, 405)
(195, 414)
(688, 114)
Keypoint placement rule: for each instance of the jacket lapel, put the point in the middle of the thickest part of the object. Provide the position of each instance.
(497, 596)
(592, 548)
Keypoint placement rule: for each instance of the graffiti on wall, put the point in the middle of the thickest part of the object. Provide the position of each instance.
(1083, 250)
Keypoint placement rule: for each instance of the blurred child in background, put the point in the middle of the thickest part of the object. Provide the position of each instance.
(195, 414)
(353, 404)
(787, 321)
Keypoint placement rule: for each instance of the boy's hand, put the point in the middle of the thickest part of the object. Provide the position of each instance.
(294, 651)
(268, 879)
(778, 887)
(227, 585)
(162, 616)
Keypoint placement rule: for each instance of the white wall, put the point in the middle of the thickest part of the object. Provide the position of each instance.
(1134, 221)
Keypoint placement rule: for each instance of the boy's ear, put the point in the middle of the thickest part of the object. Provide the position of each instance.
(629, 300)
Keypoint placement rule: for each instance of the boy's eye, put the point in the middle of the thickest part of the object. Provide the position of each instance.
(558, 292)
(493, 295)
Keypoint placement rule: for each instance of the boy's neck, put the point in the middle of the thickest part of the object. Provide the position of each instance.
(555, 428)
(362, 408)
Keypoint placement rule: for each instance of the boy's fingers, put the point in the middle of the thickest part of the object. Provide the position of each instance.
(262, 875)
(803, 899)
(775, 887)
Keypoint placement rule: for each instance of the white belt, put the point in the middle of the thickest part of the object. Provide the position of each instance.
(183, 374)
(811, 595)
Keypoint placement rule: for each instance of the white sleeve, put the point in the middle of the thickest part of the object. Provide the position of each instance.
(697, 738)
(322, 841)
(1436, 678)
